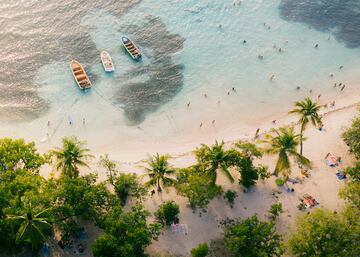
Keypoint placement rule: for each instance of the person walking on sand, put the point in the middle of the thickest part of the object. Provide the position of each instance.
(213, 122)
(188, 104)
(272, 77)
(83, 121)
(152, 192)
(257, 133)
(319, 96)
(201, 124)
(343, 87)
(48, 123)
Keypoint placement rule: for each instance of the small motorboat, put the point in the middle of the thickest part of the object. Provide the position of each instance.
(80, 75)
(131, 48)
(106, 61)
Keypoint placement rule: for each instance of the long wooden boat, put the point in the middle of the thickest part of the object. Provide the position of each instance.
(107, 61)
(131, 48)
(80, 75)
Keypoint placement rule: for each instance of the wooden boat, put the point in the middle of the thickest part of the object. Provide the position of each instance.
(131, 48)
(106, 61)
(80, 75)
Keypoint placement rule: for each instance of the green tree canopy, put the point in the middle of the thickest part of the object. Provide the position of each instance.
(70, 157)
(324, 233)
(253, 238)
(128, 185)
(352, 137)
(34, 226)
(127, 234)
(197, 186)
(16, 154)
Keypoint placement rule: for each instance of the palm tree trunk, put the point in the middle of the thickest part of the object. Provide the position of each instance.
(301, 139)
(158, 185)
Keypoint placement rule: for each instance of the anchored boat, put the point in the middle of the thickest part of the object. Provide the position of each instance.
(107, 61)
(131, 48)
(80, 75)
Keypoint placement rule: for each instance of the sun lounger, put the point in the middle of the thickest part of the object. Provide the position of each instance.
(293, 180)
(340, 175)
(332, 161)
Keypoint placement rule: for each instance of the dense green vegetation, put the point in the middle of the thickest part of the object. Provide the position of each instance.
(252, 238)
(200, 251)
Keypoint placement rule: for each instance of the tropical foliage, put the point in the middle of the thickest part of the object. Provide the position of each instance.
(216, 158)
(198, 186)
(70, 157)
(159, 171)
(253, 238)
(34, 225)
(201, 250)
(324, 233)
(167, 213)
(283, 142)
(352, 137)
(126, 233)
(308, 112)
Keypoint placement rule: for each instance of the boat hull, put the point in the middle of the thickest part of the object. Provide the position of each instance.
(80, 76)
(131, 48)
(107, 61)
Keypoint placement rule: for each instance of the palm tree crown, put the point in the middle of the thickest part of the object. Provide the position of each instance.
(215, 157)
(158, 171)
(32, 225)
(284, 143)
(307, 110)
(71, 156)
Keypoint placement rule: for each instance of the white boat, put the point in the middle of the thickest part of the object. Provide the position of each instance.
(80, 75)
(131, 48)
(107, 61)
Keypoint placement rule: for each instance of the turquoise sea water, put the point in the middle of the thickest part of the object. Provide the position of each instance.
(194, 52)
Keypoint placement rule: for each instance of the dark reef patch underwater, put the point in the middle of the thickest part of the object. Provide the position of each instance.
(42, 32)
(340, 17)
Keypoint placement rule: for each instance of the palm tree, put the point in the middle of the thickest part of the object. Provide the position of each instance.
(284, 142)
(158, 171)
(71, 156)
(307, 110)
(32, 225)
(215, 158)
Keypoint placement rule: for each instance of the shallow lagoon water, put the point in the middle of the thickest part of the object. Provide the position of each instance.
(191, 48)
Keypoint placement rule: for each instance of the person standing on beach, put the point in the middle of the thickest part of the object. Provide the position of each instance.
(257, 133)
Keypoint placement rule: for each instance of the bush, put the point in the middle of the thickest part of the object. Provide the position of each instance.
(128, 185)
(230, 196)
(167, 212)
(252, 238)
(279, 182)
(200, 251)
(275, 210)
(352, 137)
